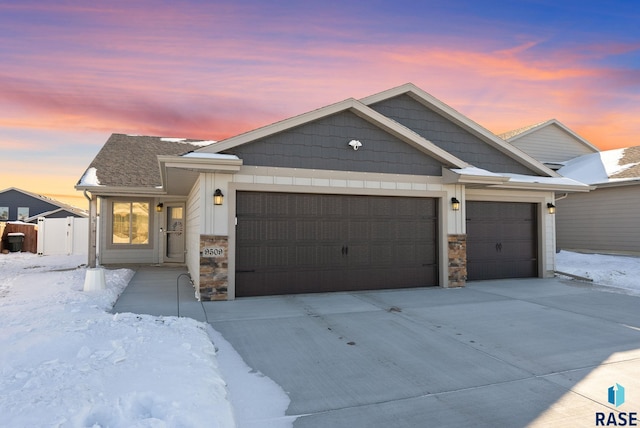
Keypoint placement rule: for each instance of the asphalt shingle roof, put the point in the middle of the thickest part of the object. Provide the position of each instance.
(132, 160)
(510, 134)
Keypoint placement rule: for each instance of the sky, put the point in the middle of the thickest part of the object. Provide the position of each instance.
(74, 72)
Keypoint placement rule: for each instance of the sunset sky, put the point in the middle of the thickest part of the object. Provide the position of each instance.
(73, 72)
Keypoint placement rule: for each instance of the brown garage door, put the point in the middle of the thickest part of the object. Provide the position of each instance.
(501, 240)
(304, 243)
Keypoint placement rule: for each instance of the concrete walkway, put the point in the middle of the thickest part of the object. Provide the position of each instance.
(160, 290)
(509, 353)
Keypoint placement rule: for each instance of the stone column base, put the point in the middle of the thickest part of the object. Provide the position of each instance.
(457, 260)
(214, 267)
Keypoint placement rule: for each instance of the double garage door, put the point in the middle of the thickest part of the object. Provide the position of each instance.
(290, 243)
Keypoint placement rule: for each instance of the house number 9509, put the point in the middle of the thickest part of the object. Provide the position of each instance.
(213, 252)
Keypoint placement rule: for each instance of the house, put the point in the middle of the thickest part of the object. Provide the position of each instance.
(550, 142)
(606, 219)
(391, 191)
(20, 205)
(603, 220)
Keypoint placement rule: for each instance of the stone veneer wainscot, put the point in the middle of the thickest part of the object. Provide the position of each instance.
(214, 268)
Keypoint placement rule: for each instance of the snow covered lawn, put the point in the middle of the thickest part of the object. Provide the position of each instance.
(66, 362)
(618, 272)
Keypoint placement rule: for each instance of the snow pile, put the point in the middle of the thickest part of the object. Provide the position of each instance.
(65, 362)
(621, 272)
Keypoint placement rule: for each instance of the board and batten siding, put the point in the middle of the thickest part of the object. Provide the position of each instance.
(551, 144)
(605, 219)
(193, 230)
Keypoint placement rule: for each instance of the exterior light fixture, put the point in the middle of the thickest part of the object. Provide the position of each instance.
(551, 208)
(218, 197)
(455, 204)
(159, 207)
(355, 144)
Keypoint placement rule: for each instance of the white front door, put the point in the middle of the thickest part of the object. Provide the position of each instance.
(175, 244)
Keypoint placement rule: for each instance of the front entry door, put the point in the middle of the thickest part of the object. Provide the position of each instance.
(174, 245)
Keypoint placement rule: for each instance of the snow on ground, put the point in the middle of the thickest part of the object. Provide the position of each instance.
(66, 362)
(619, 272)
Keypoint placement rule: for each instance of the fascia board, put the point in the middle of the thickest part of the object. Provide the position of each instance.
(122, 191)
(200, 164)
(543, 186)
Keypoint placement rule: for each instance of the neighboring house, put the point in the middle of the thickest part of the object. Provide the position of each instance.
(606, 219)
(20, 205)
(394, 190)
(550, 142)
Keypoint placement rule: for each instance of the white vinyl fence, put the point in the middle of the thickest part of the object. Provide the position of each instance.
(63, 236)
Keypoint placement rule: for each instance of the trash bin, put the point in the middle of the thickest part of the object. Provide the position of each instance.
(15, 241)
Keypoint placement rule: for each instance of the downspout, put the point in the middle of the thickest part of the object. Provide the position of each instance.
(93, 210)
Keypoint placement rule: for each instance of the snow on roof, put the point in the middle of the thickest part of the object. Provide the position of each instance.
(210, 156)
(201, 143)
(519, 178)
(605, 167)
(472, 170)
(90, 178)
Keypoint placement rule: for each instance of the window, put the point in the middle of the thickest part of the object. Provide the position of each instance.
(23, 213)
(130, 223)
(4, 213)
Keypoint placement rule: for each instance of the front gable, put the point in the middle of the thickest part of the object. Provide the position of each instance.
(448, 135)
(550, 142)
(324, 144)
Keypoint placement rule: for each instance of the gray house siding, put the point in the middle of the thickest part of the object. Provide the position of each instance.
(604, 219)
(324, 144)
(448, 135)
(14, 199)
(551, 144)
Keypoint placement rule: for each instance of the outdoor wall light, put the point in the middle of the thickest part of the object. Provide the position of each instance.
(551, 208)
(455, 204)
(355, 144)
(218, 197)
(159, 207)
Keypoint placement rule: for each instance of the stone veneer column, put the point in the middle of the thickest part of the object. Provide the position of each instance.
(457, 260)
(214, 267)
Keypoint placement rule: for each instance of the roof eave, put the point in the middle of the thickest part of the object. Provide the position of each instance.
(123, 190)
(515, 185)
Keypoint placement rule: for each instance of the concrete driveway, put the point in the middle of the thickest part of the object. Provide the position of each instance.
(509, 353)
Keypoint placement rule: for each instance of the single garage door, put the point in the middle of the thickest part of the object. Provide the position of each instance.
(502, 240)
(304, 243)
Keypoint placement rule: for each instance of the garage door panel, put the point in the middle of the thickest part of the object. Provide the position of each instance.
(335, 242)
(501, 240)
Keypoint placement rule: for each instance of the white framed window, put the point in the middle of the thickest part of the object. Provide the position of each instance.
(130, 223)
